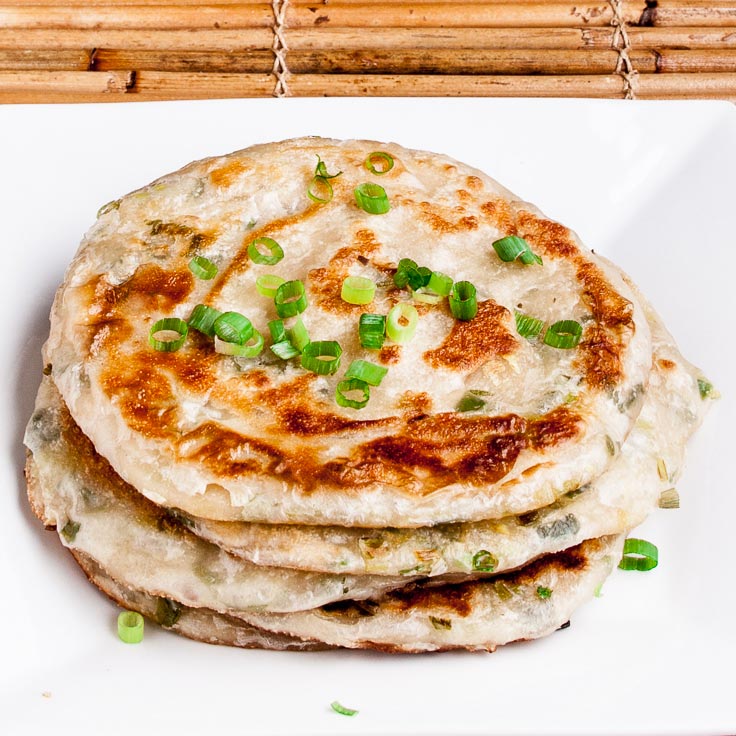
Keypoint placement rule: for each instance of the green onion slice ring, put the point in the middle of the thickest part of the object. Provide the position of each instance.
(271, 258)
(277, 328)
(167, 335)
(203, 268)
(564, 334)
(425, 296)
(298, 335)
(342, 710)
(372, 198)
(401, 322)
(233, 327)
(320, 190)
(322, 357)
(527, 326)
(404, 268)
(249, 349)
(347, 388)
(484, 561)
(366, 371)
(372, 331)
(463, 301)
(130, 627)
(512, 247)
(358, 290)
(203, 319)
(639, 555)
(439, 283)
(379, 163)
(284, 350)
(321, 170)
(268, 283)
(290, 299)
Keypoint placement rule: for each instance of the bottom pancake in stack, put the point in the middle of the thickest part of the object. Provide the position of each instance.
(473, 585)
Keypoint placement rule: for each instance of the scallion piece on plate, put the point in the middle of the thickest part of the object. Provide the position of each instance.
(463, 301)
(265, 251)
(290, 299)
(372, 330)
(249, 349)
(358, 290)
(284, 350)
(639, 555)
(512, 247)
(366, 371)
(298, 335)
(167, 335)
(669, 499)
(527, 326)
(342, 710)
(378, 162)
(353, 393)
(401, 322)
(268, 283)
(439, 283)
(233, 327)
(203, 268)
(320, 190)
(322, 357)
(130, 627)
(564, 334)
(203, 319)
(372, 198)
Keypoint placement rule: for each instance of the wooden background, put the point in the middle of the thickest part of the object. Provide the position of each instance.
(121, 50)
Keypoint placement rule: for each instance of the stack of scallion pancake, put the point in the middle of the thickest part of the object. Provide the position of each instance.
(325, 393)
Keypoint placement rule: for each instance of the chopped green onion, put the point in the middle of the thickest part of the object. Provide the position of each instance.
(249, 349)
(439, 283)
(405, 267)
(322, 357)
(109, 207)
(268, 283)
(203, 268)
(290, 299)
(669, 499)
(167, 335)
(425, 296)
(378, 162)
(527, 326)
(320, 190)
(639, 555)
(130, 627)
(366, 371)
(441, 623)
(372, 198)
(401, 322)
(358, 290)
(705, 388)
(284, 350)
(271, 258)
(349, 386)
(203, 319)
(342, 710)
(372, 331)
(463, 301)
(167, 612)
(543, 592)
(277, 328)
(484, 561)
(470, 402)
(321, 170)
(512, 247)
(298, 335)
(564, 334)
(70, 530)
(598, 590)
(233, 327)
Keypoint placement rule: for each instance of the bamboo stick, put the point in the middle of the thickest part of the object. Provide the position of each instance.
(44, 59)
(659, 85)
(66, 82)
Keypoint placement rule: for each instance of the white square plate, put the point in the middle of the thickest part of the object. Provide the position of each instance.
(651, 185)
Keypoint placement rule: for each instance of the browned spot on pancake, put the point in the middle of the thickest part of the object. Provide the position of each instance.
(474, 182)
(500, 214)
(440, 224)
(456, 598)
(326, 283)
(310, 422)
(241, 261)
(390, 354)
(574, 559)
(666, 364)
(547, 238)
(554, 428)
(600, 358)
(464, 196)
(197, 239)
(415, 402)
(226, 175)
(472, 343)
(608, 306)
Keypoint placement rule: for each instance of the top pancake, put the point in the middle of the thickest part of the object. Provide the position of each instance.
(263, 439)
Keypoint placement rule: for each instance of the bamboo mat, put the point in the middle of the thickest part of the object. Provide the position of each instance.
(124, 50)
